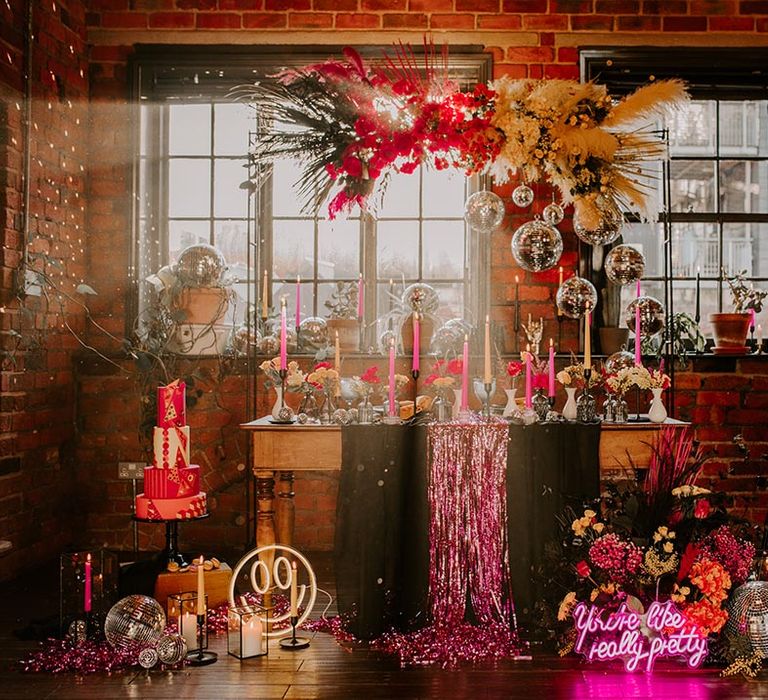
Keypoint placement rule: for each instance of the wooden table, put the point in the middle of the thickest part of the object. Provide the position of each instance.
(281, 450)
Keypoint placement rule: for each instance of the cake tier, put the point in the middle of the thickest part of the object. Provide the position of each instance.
(170, 448)
(171, 483)
(171, 405)
(171, 508)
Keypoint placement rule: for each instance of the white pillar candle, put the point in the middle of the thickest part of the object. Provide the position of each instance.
(251, 637)
(188, 630)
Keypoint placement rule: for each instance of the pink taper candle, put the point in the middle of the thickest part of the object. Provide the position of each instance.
(392, 377)
(87, 603)
(464, 405)
(416, 342)
(528, 402)
(298, 301)
(360, 292)
(551, 367)
(638, 357)
(638, 289)
(283, 337)
(751, 320)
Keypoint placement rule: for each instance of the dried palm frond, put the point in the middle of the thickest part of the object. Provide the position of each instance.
(648, 102)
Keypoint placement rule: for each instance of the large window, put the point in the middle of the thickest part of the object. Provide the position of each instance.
(718, 174)
(193, 158)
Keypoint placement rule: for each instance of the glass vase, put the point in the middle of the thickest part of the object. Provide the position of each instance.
(621, 414)
(511, 405)
(569, 410)
(540, 404)
(328, 408)
(308, 404)
(609, 409)
(586, 409)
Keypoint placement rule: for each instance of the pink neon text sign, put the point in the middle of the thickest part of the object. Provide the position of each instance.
(637, 639)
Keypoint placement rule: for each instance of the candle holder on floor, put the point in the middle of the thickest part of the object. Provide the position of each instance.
(201, 657)
(247, 627)
(182, 610)
(294, 643)
(102, 589)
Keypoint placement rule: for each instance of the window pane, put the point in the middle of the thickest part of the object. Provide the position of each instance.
(189, 183)
(189, 130)
(232, 122)
(451, 300)
(443, 246)
(182, 234)
(231, 238)
(338, 249)
(388, 298)
(444, 193)
(293, 248)
(692, 129)
(744, 186)
(743, 128)
(649, 240)
(324, 292)
(695, 247)
(288, 290)
(228, 198)
(741, 248)
(397, 245)
(285, 202)
(401, 197)
(693, 185)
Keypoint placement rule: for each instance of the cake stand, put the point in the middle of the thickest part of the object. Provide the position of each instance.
(171, 551)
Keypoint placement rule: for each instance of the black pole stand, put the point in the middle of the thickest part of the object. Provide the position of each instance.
(294, 643)
(415, 375)
(201, 657)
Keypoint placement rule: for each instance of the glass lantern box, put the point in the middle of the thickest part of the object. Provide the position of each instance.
(88, 587)
(182, 611)
(247, 627)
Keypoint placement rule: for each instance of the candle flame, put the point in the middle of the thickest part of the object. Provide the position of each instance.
(551, 342)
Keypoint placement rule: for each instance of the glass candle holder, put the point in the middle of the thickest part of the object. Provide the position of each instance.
(87, 586)
(182, 611)
(247, 627)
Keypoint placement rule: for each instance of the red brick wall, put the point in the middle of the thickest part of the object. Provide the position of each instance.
(37, 390)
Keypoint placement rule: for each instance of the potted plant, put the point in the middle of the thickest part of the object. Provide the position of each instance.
(686, 337)
(731, 329)
(342, 307)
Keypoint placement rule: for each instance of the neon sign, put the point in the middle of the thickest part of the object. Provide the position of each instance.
(638, 640)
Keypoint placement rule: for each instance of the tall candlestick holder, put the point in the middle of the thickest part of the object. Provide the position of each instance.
(201, 656)
(559, 330)
(361, 334)
(586, 408)
(415, 375)
(284, 412)
(294, 643)
(488, 386)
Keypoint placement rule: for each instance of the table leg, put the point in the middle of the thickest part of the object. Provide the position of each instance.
(265, 507)
(286, 509)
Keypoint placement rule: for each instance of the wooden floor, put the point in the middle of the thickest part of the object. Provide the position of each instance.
(327, 670)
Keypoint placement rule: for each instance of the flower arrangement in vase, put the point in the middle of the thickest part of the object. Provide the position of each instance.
(572, 379)
(294, 381)
(326, 379)
(369, 382)
(512, 371)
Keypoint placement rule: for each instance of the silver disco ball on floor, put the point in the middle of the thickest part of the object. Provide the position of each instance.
(748, 615)
(134, 621)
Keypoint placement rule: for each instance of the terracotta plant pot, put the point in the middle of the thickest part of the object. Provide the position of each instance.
(730, 330)
(203, 305)
(349, 333)
(613, 339)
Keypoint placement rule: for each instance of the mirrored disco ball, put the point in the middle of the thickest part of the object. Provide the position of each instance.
(421, 297)
(624, 264)
(748, 615)
(134, 621)
(553, 214)
(446, 340)
(537, 246)
(462, 325)
(351, 389)
(171, 649)
(651, 315)
(484, 211)
(201, 265)
(575, 296)
(148, 657)
(269, 345)
(313, 333)
(243, 339)
(522, 196)
(607, 232)
(385, 338)
(618, 361)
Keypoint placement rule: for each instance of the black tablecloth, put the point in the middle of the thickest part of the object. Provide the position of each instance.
(382, 519)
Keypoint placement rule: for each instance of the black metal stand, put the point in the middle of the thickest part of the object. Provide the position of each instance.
(201, 657)
(294, 643)
(171, 551)
(559, 332)
(361, 333)
(415, 375)
(488, 386)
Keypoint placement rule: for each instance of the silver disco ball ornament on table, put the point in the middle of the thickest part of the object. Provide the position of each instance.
(136, 621)
(575, 296)
(537, 246)
(484, 211)
(624, 264)
(748, 615)
(607, 231)
(651, 315)
(313, 333)
(201, 265)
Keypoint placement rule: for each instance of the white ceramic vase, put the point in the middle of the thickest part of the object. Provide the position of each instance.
(511, 406)
(569, 410)
(456, 403)
(657, 412)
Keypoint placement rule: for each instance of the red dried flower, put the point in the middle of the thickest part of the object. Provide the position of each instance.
(514, 368)
(455, 367)
(582, 569)
(371, 375)
(702, 509)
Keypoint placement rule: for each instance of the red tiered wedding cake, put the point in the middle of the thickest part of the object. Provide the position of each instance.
(171, 484)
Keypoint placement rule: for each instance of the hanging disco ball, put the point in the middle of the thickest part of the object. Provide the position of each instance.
(618, 361)
(748, 615)
(575, 296)
(462, 325)
(537, 246)
(624, 264)
(607, 232)
(134, 621)
(201, 265)
(484, 211)
(651, 315)
(421, 297)
(553, 214)
(522, 196)
(313, 333)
